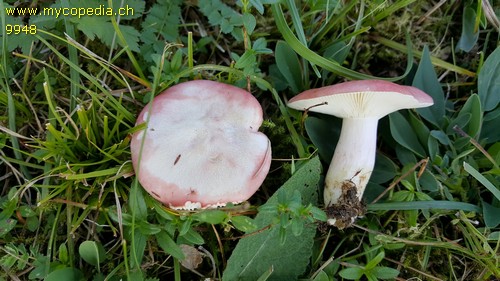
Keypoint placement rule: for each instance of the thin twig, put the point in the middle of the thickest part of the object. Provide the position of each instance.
(325, 264)
(432, 10)
(413, 269)
(249, 234)
(422, 163)
(221, 248)
(474, 142)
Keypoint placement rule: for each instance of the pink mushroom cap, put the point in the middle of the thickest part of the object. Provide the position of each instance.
(202, 147)
(361, 99)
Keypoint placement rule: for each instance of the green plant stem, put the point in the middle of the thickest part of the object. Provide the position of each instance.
(177, 270)
(51, 240)
(69, 216)
(125, 259)
(190, 50)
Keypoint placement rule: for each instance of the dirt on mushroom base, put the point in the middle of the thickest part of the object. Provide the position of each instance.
(344, 213)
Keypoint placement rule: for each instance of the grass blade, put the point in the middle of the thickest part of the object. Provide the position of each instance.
(424, 205)
(482, 179)
(316, 59)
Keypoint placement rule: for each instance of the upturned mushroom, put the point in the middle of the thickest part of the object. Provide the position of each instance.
(361, 104)
(201, 147)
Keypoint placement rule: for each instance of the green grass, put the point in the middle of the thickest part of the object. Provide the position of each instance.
(72, 209)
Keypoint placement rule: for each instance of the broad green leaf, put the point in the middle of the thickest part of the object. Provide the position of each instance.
(168, 245)
(403, 133)
(488, 84)
(246, 60)
(383, 272)
(32, 223)
(419, 127)
(491, 217)
(219, 13)
(426, 80)
(324, 132)
(256, 253)
(9, 258)
(66, 274)
(185, 226)
(433, 148)
(260, 46)
(428, 182)
(441, 137)
(318, 213)
(63, 253)
(351, 273)
(162, 20)
(136, 275)
(494, 236)
(9, 205)
(147, 228)
(243, 223)
(249, 22)
(462, 120)
(472, 108)
(494, 151)
(405, 156)
(92, 252)
(489, 131)
(137, 248)
(41, 267)
(289, 66)
(137, 202)
(372, 263)
(469, 35)
(6, 225)
(384, 169)
(26, 211)
(258, 5)
(321, 276)
(210, 216)
(131, 36)
(125, 218)
(191, 237)
(297, 227)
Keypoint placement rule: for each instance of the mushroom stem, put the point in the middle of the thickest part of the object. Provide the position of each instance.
(352, 163)
(360, 104)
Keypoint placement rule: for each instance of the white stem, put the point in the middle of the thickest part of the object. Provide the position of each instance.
(353, 159)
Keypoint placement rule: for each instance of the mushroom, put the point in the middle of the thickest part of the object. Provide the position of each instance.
(201, 147)
(361, 104)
